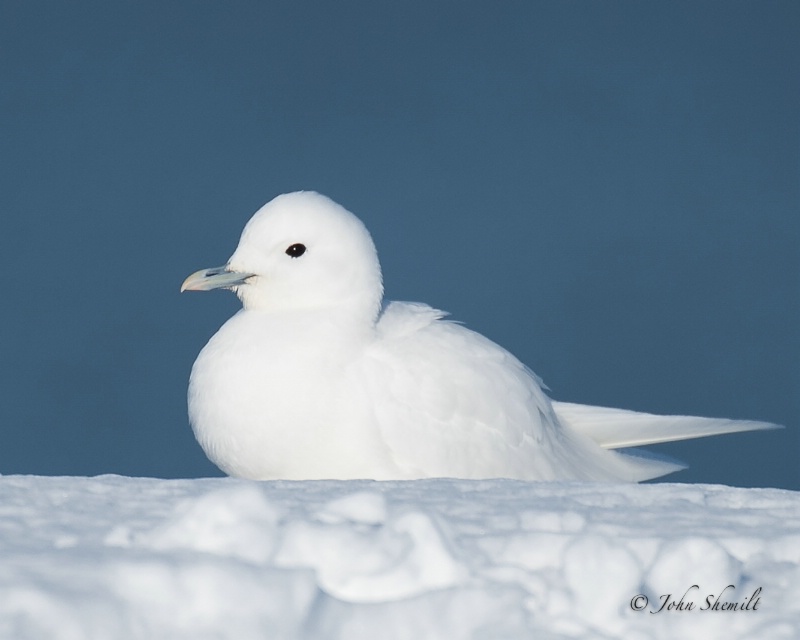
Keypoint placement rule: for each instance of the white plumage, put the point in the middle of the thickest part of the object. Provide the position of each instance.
(313, 379)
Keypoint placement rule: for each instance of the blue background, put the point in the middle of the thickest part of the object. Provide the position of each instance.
(609, 189)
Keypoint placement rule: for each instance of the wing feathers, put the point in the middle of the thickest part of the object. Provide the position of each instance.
(618, 428)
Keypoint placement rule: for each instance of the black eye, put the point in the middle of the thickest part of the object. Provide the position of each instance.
(296, 250)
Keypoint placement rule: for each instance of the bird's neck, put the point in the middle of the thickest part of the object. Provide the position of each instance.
(339, 323)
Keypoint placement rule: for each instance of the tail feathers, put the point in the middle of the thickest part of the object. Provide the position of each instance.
(619, 428)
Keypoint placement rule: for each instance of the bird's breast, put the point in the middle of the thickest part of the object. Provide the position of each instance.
(270, 396)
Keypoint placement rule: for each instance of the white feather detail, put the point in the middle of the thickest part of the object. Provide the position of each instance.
(619, 428)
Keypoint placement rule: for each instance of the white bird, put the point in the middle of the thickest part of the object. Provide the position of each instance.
(314, 379)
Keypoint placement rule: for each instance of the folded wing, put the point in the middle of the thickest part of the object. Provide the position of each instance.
(619, 428)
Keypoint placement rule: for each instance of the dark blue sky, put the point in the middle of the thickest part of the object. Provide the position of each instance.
(611, 190)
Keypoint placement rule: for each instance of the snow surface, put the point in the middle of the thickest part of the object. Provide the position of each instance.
(117, 557)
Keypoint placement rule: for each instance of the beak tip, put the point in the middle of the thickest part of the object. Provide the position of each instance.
(195, 281)
(189, 283)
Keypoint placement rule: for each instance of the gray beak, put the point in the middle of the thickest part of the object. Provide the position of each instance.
(216, 278)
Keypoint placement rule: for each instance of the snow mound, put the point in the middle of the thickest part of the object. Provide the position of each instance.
(132, 558)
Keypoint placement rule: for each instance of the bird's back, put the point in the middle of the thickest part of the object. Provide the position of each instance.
(450, 402)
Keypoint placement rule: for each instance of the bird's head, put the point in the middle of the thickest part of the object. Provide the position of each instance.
(300, 251)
